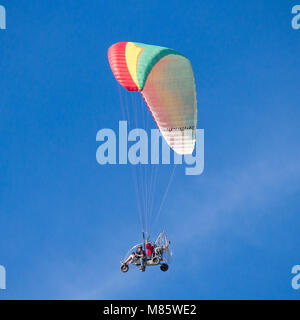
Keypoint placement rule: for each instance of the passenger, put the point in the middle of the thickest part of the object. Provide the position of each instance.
(149, 246)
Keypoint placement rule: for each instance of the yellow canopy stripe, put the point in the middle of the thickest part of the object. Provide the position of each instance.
(132, 53)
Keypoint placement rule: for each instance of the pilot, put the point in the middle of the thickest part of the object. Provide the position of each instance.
(140, 254)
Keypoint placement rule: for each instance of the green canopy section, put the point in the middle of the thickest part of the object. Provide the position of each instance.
(148, 59)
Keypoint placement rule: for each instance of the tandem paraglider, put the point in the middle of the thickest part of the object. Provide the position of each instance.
(165, 80)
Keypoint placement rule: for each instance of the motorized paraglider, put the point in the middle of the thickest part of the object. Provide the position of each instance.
(165, 79)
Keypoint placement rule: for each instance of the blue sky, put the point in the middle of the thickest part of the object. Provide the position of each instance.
(66, 221)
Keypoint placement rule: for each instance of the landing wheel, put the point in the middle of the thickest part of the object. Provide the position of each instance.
(124, 268)
(164, 267)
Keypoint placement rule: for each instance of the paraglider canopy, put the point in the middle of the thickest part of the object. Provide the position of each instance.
(166, 81)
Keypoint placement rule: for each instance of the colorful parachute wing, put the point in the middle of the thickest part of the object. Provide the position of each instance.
(166, 81)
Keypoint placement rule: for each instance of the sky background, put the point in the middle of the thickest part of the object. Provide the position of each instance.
(66, 221)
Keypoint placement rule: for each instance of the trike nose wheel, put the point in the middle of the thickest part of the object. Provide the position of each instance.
(124, 268)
